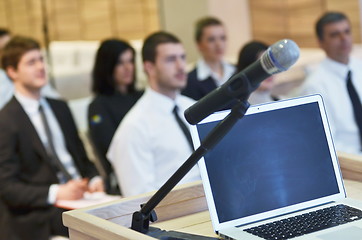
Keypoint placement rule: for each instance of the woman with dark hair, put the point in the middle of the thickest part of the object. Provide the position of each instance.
(115, 93)
(251, 52)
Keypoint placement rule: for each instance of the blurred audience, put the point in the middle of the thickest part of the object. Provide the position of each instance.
(211, 70)
(153, 140)
(338, 79)
(42, 159)
(248, 54)
(115, 93)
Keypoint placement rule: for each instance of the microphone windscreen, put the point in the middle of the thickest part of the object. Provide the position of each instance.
(280, 56)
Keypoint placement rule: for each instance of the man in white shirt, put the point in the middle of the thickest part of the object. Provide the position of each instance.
(330, 80)
(211, 70)
(149, 145)
(42, 159)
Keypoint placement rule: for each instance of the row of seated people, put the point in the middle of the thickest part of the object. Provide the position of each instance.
(114, 84)
(114, 87)
(138, 135)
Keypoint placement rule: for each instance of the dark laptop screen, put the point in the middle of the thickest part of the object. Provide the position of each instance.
(270, 160)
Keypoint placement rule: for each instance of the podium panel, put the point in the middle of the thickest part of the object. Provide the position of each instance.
(113, 219)
(351, 166)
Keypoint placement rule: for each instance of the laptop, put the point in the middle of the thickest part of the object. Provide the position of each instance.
(277, 168)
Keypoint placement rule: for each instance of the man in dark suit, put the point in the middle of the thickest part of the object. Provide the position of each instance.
(42, 158)
(211, 70)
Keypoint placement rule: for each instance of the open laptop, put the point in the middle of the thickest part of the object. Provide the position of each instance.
(277, 162)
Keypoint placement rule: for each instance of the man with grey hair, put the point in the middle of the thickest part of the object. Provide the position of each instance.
(338, 79)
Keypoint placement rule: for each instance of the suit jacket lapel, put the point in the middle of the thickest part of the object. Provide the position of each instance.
(27, 126)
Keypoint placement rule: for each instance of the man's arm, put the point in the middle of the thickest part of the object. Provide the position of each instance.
(132, 157)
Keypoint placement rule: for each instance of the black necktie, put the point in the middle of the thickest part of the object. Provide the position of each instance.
(183, 127)
(356, 103)
(55, 161)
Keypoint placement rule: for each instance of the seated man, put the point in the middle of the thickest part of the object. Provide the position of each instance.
(339, 80)
(42, 158)
(153, 141)
(211, 70)
(6, 85)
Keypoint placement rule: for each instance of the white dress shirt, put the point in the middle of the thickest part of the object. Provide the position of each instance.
(6, 88)
(149, 145)
(31, 107)
(330, 80)
(204, 71)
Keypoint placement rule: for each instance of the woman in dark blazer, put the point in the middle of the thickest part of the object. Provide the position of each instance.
(115, 93)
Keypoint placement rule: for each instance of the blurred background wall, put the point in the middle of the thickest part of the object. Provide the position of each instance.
(68, 20)
(72, 29)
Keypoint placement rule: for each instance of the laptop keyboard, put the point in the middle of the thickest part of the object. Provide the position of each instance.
(307, 223)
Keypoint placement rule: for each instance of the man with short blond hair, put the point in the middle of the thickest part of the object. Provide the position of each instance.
(338, 79)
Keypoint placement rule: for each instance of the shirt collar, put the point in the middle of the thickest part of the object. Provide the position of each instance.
(338, 68)
(30, 105)
(163, 103)
(204, 71)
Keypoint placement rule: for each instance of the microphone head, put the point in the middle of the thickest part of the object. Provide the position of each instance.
(280, 56)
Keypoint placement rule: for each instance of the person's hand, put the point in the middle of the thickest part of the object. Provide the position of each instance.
(96, 185)
(72, 190)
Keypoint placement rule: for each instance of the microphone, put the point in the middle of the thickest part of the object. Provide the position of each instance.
(277, 58)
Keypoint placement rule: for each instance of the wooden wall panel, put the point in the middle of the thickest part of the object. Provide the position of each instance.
(3, 14)
(268, 20)
(63, 20)
(295, 19)
(19, 16)
(353, 10)
(22, 17)
(95, 19)
(151, 16)
(35, 19)
(302, 16)
(130, 18)
(136, 18)
(81, 19)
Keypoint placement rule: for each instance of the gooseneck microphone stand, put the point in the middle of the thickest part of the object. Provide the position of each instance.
(142, 218)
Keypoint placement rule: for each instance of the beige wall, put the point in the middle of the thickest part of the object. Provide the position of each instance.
(235, 15)
(179, 17)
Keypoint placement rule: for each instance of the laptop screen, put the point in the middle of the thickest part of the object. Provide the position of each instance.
(278, 155)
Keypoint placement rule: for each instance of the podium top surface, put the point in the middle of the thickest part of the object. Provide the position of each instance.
(184, 210)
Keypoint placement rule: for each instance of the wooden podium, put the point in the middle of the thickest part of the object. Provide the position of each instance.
(351, 166)
(112, 220)
(184, 209)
